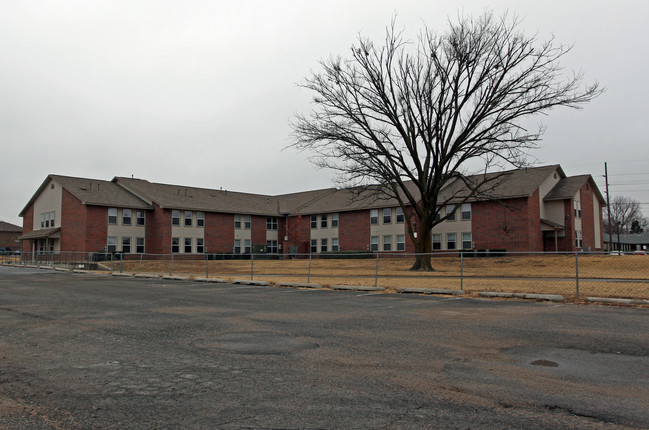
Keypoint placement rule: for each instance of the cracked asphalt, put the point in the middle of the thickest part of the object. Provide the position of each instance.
(82, 351)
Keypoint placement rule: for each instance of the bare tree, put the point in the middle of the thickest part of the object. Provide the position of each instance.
(626, 216)
(410, 116)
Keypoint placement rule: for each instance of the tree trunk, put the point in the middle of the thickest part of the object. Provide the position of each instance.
(423, 248)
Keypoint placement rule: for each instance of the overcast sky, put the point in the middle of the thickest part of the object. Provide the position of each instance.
(200, 93)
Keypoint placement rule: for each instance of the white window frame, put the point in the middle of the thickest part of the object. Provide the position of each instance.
(374, 243)
(127, 215)
(466, 211)
(387, 243)
(126, 245)
(401, 242)
(374, 216)
(449, 211)
(189, 219)
(451, 238)
(200, 219)
(334, 244)
(437, 242)
(175, 217)
(387, 216)
(400, 216)
(467, 240)
(334, 220)
(112, 216)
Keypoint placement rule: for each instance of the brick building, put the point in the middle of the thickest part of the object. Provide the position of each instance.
(535, 209)
(9, 236)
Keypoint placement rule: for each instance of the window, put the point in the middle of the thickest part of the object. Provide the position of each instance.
(111, 245)
(467, 243)
(126, 216)
(200, 248)
(237, 246)
(139, 245)
(200, 219)
(579, 242)
(324, 245)
(271, 246)
(52, 219)
(188, 218)
(387, 243)
(334, 220)
(126, 245)
(246, 246)
(247, 222)
(400, 216)
(323, 221)
(42, 220)
(139, 217)
(401, 242)
(188, 245)
(314, 245)
(374, 216)
(271, 223)
(437, 241)
(449, 211)
(314, 221)
(466, 210)
(438, 214)
(374, 243)
(237, 221)
(387, 216)
(578, 209)
(334, 244)
(47, 220)
(112, 215)
(175, 245)
(175, 217)
(450, 241)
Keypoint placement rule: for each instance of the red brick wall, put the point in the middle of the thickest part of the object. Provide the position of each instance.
(96, 228)
(28, 226)
(73, 223)
(158, 231)
(298, 230)
(512, 224)
(587, 218)
(568, 209)
(219, 232)
(258, 230)
(354, 230)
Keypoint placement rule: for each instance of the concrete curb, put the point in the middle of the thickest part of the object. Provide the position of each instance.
(616, 301)
(145, 276)
(250, 282)
(430, 291)
(356, 288)
(212, 280)
(121, 274)
(177, 278)
(527, 296)
(298, 285)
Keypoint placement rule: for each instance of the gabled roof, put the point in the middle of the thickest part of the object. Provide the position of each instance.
(92, 192)
(566, 188)
(502, 185)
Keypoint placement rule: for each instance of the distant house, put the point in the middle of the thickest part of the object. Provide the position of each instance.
(627, 242)
(9, 236)
(535, 209)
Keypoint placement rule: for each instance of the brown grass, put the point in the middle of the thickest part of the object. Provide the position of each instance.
(600, 275)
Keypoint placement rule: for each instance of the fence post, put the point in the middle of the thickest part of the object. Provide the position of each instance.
(376, 273)
(577, 271)
(252, 265)
(461, 271)
(308, 276)
(171, 265)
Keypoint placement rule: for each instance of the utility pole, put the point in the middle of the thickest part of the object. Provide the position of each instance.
(608, 211)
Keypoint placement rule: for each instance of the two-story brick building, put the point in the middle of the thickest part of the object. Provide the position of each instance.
(535, 209)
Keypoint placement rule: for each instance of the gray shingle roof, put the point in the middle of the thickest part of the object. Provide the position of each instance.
(504, 185)
(100, 193)
(6, 227)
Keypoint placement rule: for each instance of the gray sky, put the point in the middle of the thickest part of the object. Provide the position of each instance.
(200, 93)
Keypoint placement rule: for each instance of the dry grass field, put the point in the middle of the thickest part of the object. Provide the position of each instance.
(599, 275)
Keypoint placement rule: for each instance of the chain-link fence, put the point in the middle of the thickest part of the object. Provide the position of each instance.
(567, 274)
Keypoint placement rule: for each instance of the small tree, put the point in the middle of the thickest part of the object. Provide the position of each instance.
(626, 216)
(409, 117)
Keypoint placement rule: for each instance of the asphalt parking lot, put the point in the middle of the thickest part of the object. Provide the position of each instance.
(88, 351)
